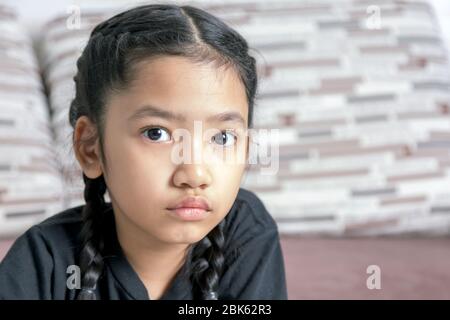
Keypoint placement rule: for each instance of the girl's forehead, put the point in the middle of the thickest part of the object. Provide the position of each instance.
(174, 72)
(183, 89)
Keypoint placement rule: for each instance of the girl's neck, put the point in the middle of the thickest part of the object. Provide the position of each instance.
(155, 262)
(156, 268)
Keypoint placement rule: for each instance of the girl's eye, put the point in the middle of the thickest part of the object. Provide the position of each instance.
(157, 134)
(225, 138)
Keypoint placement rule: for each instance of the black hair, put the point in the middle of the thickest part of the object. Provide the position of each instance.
(106, 64)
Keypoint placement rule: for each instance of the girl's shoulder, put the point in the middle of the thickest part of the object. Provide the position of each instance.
(35, 266)
(249, 216)
(252, 251)
(61, 228)
(54, 239)
(250, 206)
(254, 205)
(69, 215)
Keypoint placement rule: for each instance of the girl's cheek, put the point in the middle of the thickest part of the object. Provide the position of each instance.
(229, 174)
(233, 155)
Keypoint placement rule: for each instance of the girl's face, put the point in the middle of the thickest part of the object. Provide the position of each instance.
(143, 177)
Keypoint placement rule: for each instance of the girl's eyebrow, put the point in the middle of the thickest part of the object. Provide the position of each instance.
(228, 116)
(152, 111)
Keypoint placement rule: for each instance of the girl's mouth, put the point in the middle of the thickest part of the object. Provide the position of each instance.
(191, 208)
(190, 214)
(192, 202)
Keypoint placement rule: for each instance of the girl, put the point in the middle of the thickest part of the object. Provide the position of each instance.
(173, 230)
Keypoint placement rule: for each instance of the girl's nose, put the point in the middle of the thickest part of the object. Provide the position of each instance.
(192, 175)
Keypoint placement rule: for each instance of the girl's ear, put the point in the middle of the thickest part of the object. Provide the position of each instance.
(86, 147)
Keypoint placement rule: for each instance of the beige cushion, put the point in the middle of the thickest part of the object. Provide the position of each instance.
(30, 181)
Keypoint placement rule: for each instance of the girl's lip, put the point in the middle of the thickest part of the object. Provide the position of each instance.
(190, 214)
(192, 202)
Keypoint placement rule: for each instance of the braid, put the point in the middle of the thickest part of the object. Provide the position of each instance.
(92, 235)
(207, 262)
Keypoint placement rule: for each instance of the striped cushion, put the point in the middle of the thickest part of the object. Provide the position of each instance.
(30, 180)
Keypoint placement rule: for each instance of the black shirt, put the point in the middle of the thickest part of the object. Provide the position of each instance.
(36, 266)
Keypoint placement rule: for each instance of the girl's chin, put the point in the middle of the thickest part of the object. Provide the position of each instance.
(185, 235)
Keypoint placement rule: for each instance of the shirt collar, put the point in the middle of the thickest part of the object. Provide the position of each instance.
(180, 288)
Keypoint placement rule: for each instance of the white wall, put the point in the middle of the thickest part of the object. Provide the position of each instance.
(35, 12)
